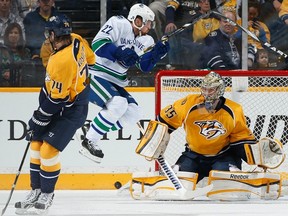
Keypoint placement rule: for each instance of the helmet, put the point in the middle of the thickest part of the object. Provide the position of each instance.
(59, 24)
(212, 81)
(141, 10)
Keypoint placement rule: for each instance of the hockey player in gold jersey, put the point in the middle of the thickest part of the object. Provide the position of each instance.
(216, 129)
(63, 108)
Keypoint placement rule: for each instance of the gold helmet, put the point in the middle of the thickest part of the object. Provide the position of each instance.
(212, 87)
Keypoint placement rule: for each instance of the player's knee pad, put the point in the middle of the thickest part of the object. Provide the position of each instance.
(49, 156)
(244, 185)
(131, 116)
(117, 106)
(152, 185)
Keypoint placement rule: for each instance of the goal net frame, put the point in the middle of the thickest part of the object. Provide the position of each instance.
(236, 89)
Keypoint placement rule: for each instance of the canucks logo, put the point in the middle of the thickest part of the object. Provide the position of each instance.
(210, 129)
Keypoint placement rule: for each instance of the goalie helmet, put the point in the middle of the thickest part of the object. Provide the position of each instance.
(143, 11)
(212, 87)
(60, 25)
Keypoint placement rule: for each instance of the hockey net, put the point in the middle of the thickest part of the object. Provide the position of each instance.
(262, 94)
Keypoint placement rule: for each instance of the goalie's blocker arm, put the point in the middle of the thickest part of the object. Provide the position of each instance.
(154, 141)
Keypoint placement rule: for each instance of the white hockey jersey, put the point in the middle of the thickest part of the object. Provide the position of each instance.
(119, 31)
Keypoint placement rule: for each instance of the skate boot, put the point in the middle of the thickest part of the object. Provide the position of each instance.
(44, 201)
(91, 150)
(23, 207)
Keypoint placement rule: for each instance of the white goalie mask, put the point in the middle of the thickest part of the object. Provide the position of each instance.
(143, 11)
(212, 88)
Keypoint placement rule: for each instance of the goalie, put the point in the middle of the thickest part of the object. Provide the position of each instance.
(218, 139)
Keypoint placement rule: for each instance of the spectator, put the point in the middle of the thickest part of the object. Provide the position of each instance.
(14, 41)
(204, 26)
(220, 51)
(7, 17)
(23, 7)
(283, 13)
(269, 10)
(262, 59)
(198, 32)
(159, 7)
(255, 25)
(4, 66)
(177, 14)
(35, 23)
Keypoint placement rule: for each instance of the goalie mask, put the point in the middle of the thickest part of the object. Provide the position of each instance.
(143, 11)
(212, 88)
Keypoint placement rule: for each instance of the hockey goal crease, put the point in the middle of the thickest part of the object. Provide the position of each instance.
(262, 94)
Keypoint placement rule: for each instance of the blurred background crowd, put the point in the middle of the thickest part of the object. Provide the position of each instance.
(207, 44)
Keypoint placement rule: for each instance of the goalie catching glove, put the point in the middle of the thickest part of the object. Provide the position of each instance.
(267, 153)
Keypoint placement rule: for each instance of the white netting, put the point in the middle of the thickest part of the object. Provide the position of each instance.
(264, 99)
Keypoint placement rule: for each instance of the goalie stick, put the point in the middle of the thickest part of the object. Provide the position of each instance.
(170, 174)
(182, 28)
(16, 178)
(265, 44)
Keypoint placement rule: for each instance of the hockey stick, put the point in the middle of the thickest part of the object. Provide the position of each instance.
(16, 178)
(182, 28)
(170, 174)
(266, 44)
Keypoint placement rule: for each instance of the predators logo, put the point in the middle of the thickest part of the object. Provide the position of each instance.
(210, 129)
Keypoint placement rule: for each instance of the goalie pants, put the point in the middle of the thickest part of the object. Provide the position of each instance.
(191, 161)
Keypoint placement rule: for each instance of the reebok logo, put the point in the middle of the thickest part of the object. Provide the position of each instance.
(240, 176)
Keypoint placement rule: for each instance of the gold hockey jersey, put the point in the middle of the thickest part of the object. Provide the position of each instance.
(207, 133)
(67, 70)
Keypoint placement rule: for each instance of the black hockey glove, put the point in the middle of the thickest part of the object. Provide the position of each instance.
(160, 50)
(126, 56)
(37, 124)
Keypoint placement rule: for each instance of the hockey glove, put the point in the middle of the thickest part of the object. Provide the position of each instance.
(127, 57)
(160, 50)
(37, 124)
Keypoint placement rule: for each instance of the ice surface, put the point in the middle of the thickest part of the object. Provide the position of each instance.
(103, 202)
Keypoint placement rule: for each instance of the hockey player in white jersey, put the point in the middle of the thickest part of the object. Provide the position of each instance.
(116, 46)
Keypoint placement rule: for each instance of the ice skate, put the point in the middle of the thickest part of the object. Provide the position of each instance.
(43, 203)
(91, 150)
(24, 207)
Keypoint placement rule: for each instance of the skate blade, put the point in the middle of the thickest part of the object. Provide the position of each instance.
(30, 211)
(87, 154)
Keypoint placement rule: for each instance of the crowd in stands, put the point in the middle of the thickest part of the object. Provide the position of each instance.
(24, 52)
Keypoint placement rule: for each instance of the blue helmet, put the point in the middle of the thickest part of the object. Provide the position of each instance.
(59, 24)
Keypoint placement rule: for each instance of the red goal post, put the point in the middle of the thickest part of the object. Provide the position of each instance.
(262, 94)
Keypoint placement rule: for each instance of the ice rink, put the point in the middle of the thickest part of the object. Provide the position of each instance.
(104, 202)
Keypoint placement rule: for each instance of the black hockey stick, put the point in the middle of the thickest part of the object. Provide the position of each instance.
(265, 44)
(16, 178)
(182, 28)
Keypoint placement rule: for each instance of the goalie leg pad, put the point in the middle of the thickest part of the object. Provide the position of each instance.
(244, 185)
(155, 140)
(153, 186)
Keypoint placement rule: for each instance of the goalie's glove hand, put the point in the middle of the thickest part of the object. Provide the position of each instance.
(37, 124)
(160, 50)
(127, 57)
